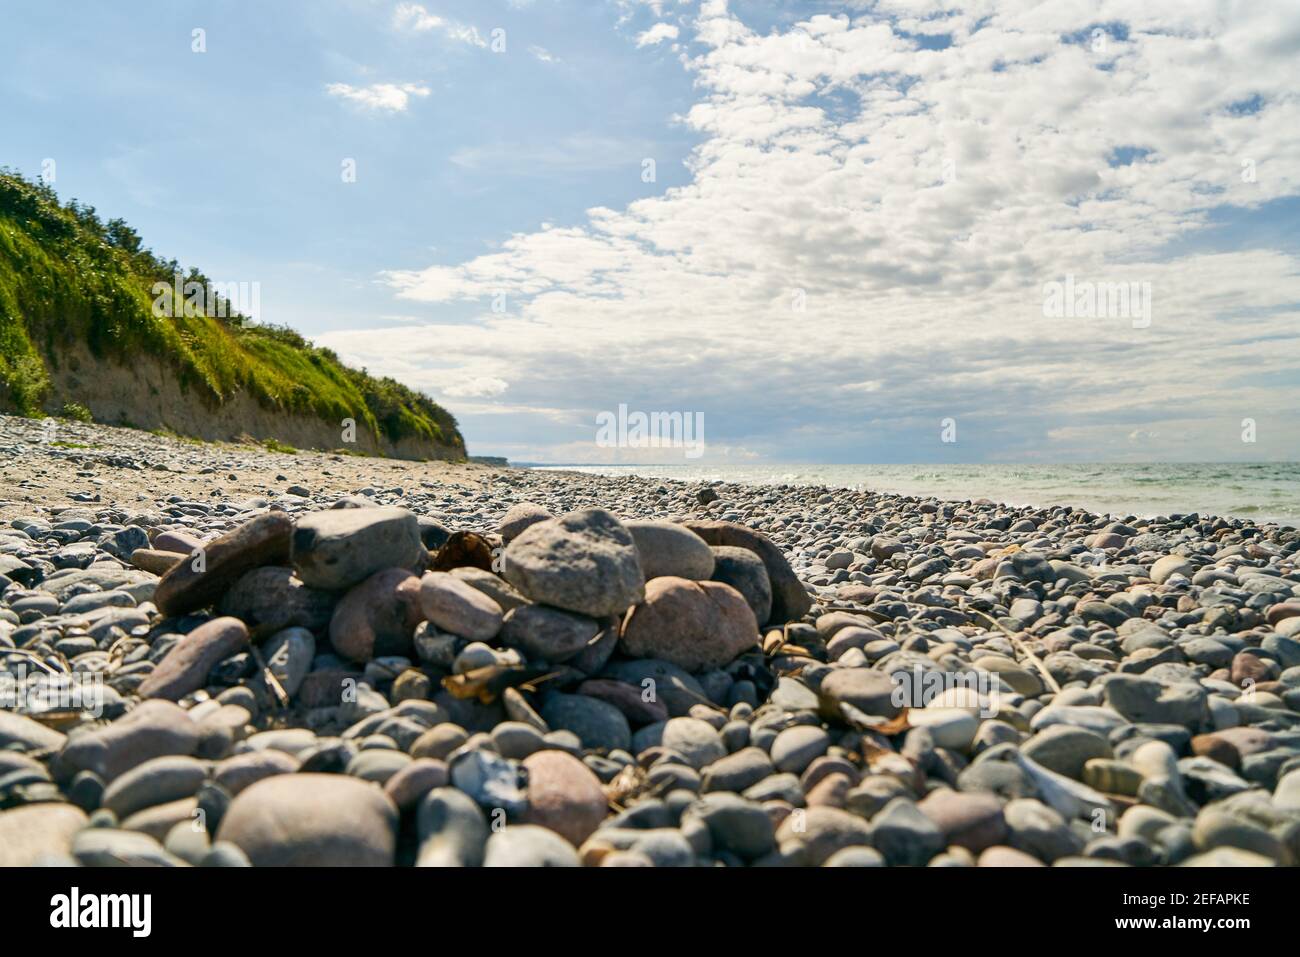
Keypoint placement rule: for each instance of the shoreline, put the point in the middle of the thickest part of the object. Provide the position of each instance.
(260, 465)
(1286, 513)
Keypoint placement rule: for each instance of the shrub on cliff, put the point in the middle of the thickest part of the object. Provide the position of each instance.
(67, 278)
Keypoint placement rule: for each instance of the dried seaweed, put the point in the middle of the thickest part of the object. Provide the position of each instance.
(462, 550)
(490, 682)
(1023, 649)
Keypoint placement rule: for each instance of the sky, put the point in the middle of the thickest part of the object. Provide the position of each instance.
(820, 231)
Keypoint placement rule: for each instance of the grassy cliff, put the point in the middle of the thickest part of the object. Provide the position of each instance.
(70, 283)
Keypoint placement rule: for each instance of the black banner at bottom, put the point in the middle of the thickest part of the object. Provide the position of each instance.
(335, 906)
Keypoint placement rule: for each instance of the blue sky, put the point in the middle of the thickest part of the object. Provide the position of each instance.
(231, 159)
(913, 174)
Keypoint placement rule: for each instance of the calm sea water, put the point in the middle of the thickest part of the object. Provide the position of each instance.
(1261, 492)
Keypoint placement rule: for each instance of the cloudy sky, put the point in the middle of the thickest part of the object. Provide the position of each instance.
(828, 228)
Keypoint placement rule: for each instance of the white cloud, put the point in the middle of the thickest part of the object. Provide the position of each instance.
(657, 34)
(389, 97)
(415, 18)
(466, 34)
(480, 387)
(579, 152)
(544, 55)
(412, 16)
(630, 8)
(920, 199)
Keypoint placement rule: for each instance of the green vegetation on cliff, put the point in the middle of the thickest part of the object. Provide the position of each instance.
(66, 278)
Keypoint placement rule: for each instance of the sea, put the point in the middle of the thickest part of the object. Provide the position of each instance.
(1260, 491)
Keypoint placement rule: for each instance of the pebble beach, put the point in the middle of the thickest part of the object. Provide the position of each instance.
(220, 655)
